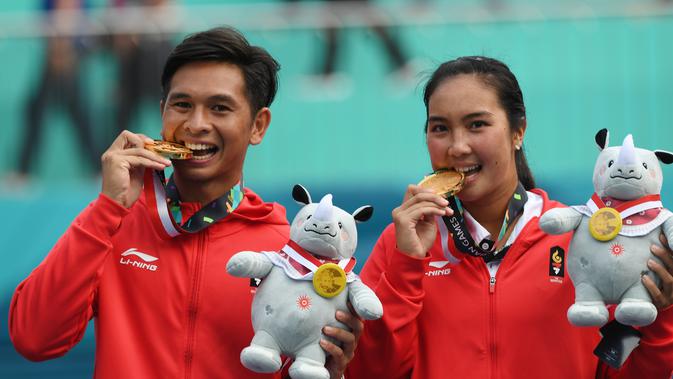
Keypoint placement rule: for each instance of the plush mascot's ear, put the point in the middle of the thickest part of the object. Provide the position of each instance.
(363, 213)
(602, 138)
(664, 156)
(301, 195)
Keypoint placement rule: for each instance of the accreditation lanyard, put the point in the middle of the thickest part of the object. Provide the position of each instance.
(164, 202)
(486, 248)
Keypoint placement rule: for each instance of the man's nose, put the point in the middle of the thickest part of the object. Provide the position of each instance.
(197, 122)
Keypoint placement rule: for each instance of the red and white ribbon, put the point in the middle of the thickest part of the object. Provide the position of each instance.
(155, 195)
(628, 208)
(301, 265)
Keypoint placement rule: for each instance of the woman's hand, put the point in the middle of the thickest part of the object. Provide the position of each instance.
(123, 166)
(340, 356)
(662, 296)
(415, 228)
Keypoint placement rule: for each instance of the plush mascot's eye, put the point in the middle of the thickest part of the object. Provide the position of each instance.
(645, 165)
(341, 225)
(610, 163)
(307, 217)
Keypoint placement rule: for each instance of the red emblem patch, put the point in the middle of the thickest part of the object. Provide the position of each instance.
(304, 302)
(617, 249)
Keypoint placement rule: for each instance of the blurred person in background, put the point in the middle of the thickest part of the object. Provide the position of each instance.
(140, 55)
(60, 83)
(333, 45)
(163, 305)
(488, 305)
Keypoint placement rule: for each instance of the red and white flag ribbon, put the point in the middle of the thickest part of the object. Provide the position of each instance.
(299, 264)
(628, 208)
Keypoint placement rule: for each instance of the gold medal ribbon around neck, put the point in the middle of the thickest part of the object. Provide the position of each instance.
(606, 222)
(329, 278)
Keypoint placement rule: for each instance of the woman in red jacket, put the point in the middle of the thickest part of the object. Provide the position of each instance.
(474, 288)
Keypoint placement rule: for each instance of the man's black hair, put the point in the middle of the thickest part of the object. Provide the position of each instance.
(226, 44)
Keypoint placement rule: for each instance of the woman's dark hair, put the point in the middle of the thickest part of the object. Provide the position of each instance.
(225, 44)
(496, 74)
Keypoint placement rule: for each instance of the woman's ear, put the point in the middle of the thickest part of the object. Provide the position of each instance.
(518, 135)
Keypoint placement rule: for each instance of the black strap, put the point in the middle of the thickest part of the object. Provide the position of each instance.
(486, 248)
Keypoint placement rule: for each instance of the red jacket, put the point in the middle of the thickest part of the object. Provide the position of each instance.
(452, 320)
(178, 316)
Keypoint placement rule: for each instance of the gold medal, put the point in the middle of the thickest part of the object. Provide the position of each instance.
(169, 150)
(329, 280)
(444, 182)
(605, 224)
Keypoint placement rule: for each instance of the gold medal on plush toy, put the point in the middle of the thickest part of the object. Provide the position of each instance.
(329, 280)
(605, 224)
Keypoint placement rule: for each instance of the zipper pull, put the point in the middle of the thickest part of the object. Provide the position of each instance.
(491, 287)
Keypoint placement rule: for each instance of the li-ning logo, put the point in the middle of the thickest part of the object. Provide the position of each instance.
(134, 262)
(440, 266)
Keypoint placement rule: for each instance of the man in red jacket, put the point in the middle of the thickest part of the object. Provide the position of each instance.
(147, 262)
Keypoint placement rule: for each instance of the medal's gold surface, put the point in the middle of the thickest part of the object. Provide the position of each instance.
(605, 224)
(444, 182)
(329, 280)
(169, 150)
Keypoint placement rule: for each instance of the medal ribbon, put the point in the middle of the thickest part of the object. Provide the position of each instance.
(308, 260)
(164, 202)
(628, 208)
(461, 235)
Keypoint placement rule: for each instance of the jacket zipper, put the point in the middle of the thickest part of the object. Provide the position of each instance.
(494, 361)
(492, 319)
(193, 304)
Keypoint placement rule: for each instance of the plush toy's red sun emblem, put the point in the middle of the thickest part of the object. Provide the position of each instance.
(304, 302)
(617, 249)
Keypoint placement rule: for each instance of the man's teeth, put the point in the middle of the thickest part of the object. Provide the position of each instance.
(201, 151)
(198, 146)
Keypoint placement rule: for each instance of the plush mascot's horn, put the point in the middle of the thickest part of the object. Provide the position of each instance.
(325, 209)
(627, 153)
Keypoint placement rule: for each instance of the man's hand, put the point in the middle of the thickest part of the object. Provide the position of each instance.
(340, 356)
(123, 166)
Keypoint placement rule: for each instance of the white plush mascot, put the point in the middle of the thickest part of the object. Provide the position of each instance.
(613, 234)
(303, 286)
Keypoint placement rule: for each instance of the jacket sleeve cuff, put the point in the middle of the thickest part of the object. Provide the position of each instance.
(105, 217)
(407, 274)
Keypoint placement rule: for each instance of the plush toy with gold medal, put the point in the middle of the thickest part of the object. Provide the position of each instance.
(303, 285)
(613, 232)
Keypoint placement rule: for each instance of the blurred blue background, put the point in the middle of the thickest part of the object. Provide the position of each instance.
(582, 66)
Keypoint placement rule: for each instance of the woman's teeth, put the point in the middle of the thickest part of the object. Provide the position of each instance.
(468, 170)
